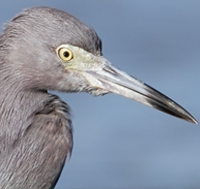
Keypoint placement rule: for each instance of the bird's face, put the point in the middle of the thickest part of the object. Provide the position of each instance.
(67, 57)
(101, 78)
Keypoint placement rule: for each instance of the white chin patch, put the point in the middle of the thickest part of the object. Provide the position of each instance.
(97, 91)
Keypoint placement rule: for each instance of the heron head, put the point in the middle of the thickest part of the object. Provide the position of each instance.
(51, 49)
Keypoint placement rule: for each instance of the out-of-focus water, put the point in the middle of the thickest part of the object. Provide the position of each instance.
(120, 143)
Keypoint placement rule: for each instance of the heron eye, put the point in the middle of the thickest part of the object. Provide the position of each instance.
(65, 54)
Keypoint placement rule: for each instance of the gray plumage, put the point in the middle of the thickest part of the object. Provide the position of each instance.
(35, 126)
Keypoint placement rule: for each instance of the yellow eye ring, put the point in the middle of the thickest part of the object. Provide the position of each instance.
(65, 54)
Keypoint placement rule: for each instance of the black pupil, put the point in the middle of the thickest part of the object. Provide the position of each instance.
(66, 54)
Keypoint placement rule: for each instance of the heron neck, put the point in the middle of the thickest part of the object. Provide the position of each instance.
(29, 127)
(17, 107)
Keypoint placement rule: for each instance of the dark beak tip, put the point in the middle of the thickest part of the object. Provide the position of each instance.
(191, 119)
(195, 122)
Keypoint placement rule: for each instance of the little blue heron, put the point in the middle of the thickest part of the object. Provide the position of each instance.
(44, 49)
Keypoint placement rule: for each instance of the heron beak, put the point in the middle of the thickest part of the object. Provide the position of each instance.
(102, 78)
(116, 81)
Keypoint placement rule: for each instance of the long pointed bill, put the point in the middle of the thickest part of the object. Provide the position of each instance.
(116, 81)
(102, 78)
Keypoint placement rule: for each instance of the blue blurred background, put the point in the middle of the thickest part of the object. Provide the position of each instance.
(120, 143)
